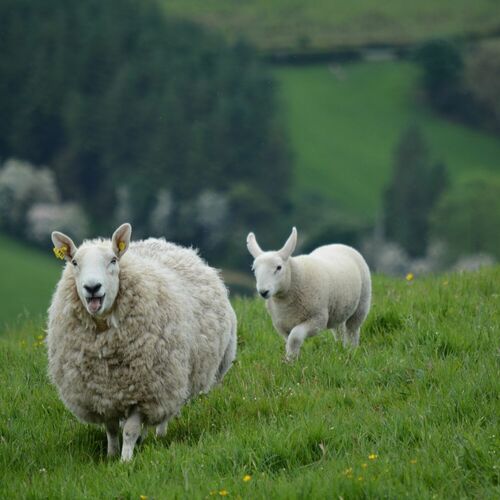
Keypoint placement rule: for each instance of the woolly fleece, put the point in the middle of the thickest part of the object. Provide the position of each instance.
(171, 335)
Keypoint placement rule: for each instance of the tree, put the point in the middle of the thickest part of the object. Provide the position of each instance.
(442, 66)
(467, 217)
(415, 187)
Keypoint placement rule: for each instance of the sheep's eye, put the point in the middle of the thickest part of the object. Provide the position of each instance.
(113, 260)
(278, 268)
(74, 262)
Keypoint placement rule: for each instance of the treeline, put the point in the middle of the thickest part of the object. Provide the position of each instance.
(144, 117)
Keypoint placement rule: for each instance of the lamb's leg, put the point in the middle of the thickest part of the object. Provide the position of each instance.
(161, 429)
(112, 432)
(299, 333)
(131, 432)
(353, 325)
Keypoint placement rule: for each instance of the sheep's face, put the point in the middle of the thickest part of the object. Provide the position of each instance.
(272, 269)
(96, 268)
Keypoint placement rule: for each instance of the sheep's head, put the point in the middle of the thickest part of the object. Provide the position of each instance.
(272, 269)
(96, 267)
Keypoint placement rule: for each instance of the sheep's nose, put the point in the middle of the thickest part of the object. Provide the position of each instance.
(92, 289)
(264, 293)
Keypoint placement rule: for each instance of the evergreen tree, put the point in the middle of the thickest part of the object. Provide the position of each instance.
(415, 187)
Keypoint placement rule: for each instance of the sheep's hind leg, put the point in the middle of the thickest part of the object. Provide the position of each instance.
(112, 433)
(131, 432)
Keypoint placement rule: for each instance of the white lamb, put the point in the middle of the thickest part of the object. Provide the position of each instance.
(133, 335)
(328, 288)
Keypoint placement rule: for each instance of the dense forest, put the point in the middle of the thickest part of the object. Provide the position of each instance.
(143, 117)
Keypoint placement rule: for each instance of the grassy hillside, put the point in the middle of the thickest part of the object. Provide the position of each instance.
(27, 281)
(344, 123)
(413, 413)
(295, 25)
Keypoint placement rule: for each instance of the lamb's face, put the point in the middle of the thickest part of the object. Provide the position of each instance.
(96, 270)
(95, 267)
(271, 274)
(272, 269)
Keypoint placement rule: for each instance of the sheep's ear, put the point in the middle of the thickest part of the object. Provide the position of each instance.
(253, 246)
(64, 248)
(289, 246)
(121, 239)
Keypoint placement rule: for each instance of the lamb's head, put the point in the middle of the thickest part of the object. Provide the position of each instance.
(272, 269)
(95, 266)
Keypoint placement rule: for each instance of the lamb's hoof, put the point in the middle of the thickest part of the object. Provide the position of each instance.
(289, 359)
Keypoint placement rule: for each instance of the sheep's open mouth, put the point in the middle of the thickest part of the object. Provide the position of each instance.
(94, 303)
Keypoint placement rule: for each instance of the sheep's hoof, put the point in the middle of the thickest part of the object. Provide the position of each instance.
(126, 455)
(290, 358)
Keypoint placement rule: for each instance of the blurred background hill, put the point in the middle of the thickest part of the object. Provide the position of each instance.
(375, 124)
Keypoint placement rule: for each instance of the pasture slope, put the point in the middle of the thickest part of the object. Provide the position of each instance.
(344, 123)
(412, 413)
(27, 279)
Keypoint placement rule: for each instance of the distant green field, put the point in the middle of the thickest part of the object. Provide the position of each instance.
(27, 280)
(297, 25)
(412, 413)
(344, 123)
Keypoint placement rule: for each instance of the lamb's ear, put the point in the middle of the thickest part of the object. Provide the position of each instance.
(64, 248)
(121, 239)
(253, 246)
(289, 246)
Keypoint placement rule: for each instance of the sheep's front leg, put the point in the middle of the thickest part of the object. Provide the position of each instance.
(299, 333)
(112, 432)
(131, 433)
(161, 429)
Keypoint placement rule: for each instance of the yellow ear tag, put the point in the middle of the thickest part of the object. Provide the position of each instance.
(60, 252)
(121, 246)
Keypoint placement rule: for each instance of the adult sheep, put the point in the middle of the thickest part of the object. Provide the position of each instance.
(328, 288)
(134, 331)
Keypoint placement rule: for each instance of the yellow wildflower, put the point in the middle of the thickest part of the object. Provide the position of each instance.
(121, 246)
(409, 277)
(247, 478)
(372, 456)
(40, 337)
(364, 466)
(360, 478)
(223, 493)
(143, 497)
(60, 252)
(413, 461)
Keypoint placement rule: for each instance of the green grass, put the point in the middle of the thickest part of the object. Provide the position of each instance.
(27, 279)
(421, 393)
(344, 125)
(296, 25)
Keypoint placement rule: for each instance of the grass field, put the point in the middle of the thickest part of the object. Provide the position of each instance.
(412, 413)
(27, 279)
(344, 123)
(297, 26)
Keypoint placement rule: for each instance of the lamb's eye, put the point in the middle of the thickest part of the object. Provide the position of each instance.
(113, 260)
(278, 268)
(74, 262)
